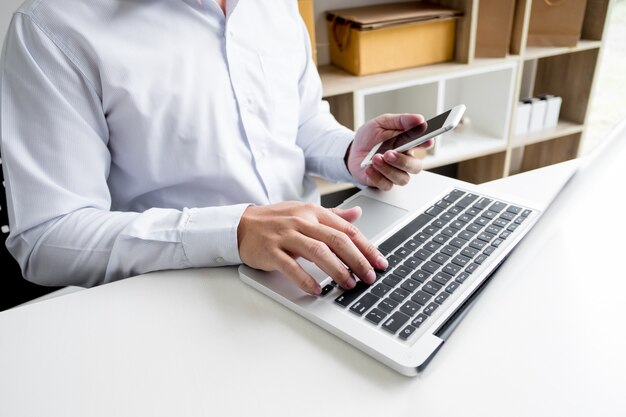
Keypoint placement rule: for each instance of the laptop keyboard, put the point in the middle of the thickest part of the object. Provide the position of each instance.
(430, 258)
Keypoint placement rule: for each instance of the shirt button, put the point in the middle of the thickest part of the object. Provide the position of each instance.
(219, 260)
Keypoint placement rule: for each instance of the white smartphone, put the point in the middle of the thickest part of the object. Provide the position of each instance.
(413, 137)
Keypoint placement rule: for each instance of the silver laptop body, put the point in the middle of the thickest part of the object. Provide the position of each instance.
(383, 215)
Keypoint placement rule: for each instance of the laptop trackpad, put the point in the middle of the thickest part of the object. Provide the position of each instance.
(377, 216)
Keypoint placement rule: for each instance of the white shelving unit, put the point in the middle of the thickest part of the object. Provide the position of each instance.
(485, 148)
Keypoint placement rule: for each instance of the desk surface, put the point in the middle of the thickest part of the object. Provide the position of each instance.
(545, 338)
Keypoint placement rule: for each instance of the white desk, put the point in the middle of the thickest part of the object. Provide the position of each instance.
(545, 338)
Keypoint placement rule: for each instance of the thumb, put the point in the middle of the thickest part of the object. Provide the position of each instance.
(350, 215)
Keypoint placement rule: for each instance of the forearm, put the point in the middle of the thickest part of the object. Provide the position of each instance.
(90, 247)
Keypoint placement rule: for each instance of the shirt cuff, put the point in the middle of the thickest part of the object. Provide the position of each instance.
(336, 169)
(209, 236)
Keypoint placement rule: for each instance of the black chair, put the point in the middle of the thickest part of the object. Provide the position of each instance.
(14, 289)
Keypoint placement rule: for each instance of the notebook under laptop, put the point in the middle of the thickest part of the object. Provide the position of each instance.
(444, 238)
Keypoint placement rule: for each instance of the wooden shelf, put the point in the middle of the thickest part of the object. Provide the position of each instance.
(537, 52)
(563, 128)
(459, 147)
(337, 81)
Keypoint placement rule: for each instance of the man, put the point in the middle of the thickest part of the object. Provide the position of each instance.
(148, 135)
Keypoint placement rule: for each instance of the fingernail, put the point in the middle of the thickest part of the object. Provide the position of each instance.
(391, 156)
(351, 283)
(382, 263)
(370, 277)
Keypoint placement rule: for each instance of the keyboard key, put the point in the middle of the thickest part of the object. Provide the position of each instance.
(480, 259)
(349, 296)
(497, 206)
(430, 308)
(489, 214)
(364, 303)
(412, 263)
(465, 218)
(454, 195)
(449, 231)
(432, 246)
(457, 224)
(460, 260)
(452, 287)
(471, 268)
(421, 238)
(393, 323)
(442, 278)
(392, 280)
(387, 305)
(423, 254)
(407, 332)
(376, 316)
(462, 277)
(439, 223)
(410, 308)
(497, 242)
(449, 250)
(457, 242)
(477, 244)
(520, 220)
(485, 237)
(505, 234)
(409, 285)
(402, 271)
(512, 227)
(469, 252)
(399, 295)
(443, 203)
(482, 221)
(493, 229)
(420, 276)
(421, 297)
(411, 245)
(514, 209)
(440, 258)
(451, 269)
(406, 232)
(442, 297)
(431, 287)
(380, 290)
(393, 260)
(327, 288)
(526, 213)
(434, 211)
(482, 203)
(402, 252)
(489, 250)
(417, 321)
(467, 200)
(441, 239)
(466, 235)
(430, 267)
(507, 216)
(500, 222)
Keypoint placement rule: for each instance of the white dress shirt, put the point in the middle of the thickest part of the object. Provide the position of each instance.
(135, 133)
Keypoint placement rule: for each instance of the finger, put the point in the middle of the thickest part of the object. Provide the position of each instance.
(349, 215)
(395, 175)
(399, 122)
(376, 179)
(292, 270)
(406, 163)
(330, 247)
(373, 256)
(317, 251)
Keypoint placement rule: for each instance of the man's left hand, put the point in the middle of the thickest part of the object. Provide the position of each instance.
(392, 168)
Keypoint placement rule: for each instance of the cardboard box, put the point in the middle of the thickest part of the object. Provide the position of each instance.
(306, 11)
(372, 39)
(556, 23)
(495, 23)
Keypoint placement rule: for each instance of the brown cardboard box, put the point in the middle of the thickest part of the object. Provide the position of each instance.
(556, 22)
(306, 11)
(387, 37)
(495, 22)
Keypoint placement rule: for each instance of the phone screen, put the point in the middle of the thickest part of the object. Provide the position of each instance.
(416, 132)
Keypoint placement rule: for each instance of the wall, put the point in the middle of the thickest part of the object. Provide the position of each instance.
(7, 7)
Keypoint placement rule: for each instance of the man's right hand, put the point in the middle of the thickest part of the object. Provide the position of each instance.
(272, 237)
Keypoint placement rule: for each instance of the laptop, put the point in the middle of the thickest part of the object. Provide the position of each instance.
(443, 239)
